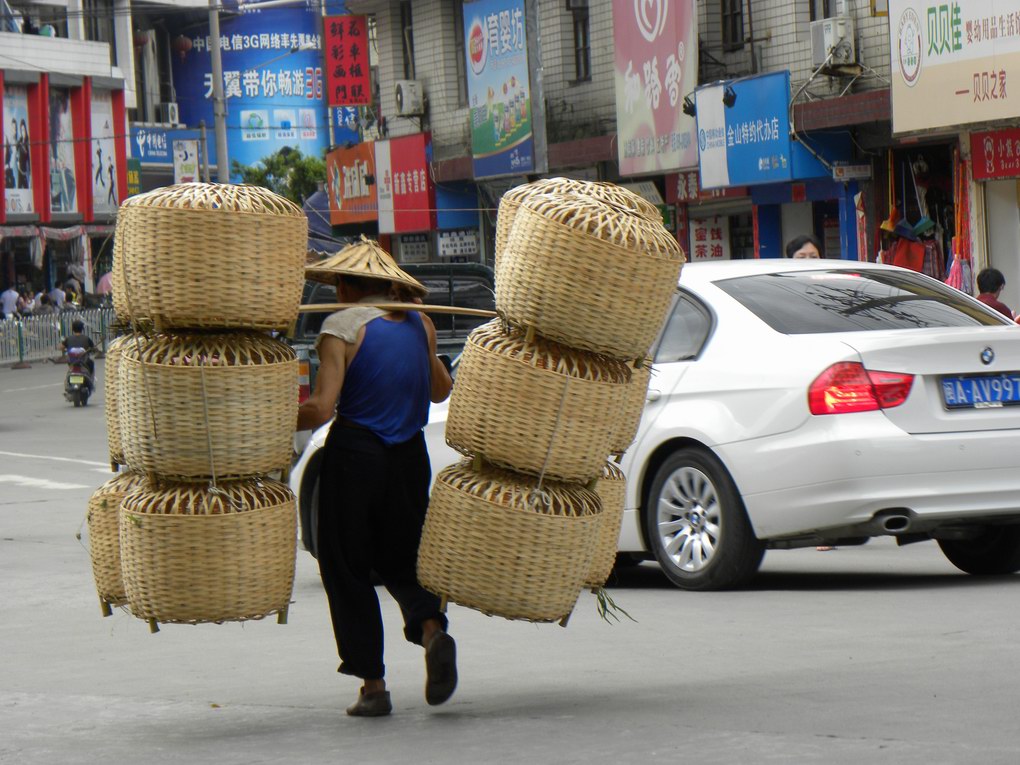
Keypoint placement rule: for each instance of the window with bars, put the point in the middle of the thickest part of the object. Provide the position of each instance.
(582, 39)
(732, 18)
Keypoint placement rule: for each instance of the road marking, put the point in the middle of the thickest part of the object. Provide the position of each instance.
(54, 459)
(34, 387)
(39, 483)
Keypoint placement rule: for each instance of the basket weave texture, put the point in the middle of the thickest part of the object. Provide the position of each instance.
(612, 491)
(199, 406)
(103, 518)
(511, 201)
(588, 274)
(191, 555)
(204, 255)
(537, 407)
(496, 542)
(111, 381)
(633, 406)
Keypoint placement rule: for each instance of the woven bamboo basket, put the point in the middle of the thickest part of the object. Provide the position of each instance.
(103, 520)
(199, 406)
(206, 255)
(497, 542)
(633, 406)
(511, 201)
(111, 404)
(588, 274)
(612, 490)
(536, 407)
(190, 554)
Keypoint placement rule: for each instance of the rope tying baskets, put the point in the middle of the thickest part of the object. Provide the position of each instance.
(111, 383)
(612, 491)
(103, 518)
(633, 406)
(496, 542)
(537, 407)
(207, 406)
(193, 554)
(588, 274)
(209, 255)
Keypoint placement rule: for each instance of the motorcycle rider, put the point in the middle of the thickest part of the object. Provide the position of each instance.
(78, 339)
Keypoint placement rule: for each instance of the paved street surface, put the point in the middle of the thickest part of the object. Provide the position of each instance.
(867, 655)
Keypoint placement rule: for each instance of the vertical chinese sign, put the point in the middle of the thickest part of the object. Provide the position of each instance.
(499, 89)
(406, 195)
(950, 62)
(351, 184)
(710, 238)
(347, 67)
(656, 44)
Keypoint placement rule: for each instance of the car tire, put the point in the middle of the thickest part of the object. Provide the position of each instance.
(697, 526)
(994, 552)
(310, 519)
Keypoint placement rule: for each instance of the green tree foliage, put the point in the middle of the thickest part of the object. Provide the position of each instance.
(286, 172)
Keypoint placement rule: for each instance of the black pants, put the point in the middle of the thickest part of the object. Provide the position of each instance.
(372, 502)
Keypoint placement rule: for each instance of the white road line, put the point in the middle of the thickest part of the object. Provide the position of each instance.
(39, 483)
(54, 459)
(34, 387)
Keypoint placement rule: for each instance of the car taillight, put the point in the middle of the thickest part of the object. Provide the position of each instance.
(304, 391)
(849, 387)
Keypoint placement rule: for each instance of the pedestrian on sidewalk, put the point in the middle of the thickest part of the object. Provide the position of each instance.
(378, 374)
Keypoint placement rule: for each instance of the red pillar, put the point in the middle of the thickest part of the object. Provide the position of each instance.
(120, 142)
(81, 121)
(39, 127)
(3, 133)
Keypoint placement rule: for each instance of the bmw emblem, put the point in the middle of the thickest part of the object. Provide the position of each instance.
(987, 356)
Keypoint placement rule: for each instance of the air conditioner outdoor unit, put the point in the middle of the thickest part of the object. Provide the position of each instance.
(410, 98)
(166, 112)
(835, 35)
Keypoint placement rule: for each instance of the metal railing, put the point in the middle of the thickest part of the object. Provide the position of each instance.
(37, 338)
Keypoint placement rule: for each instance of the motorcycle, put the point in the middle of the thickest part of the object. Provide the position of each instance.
(78, 384)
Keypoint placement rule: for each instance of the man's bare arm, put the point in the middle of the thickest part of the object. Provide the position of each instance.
(319, 407)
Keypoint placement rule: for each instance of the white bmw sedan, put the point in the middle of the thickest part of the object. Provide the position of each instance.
(796, 403)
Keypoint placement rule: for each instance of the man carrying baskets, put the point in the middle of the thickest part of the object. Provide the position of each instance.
(378, 372)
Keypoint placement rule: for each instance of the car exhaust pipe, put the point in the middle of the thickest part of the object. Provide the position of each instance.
(891, 522)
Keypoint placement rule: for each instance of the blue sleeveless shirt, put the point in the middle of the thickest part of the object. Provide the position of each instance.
(387, 385)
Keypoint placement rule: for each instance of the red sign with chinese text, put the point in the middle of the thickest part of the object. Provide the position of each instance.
(685, 187)
(995, 154)
(347, 61)
(350, 183)
(407, 196)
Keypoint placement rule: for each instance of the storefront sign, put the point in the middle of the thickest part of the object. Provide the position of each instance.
(685, 188)
(63, 188)
(105, 198)
(134, 177)
(499, 90)
(273, 82)
(710, 238)
(18, 197)
(460, 242)
(995, 154)
(155, 146)
(351, 185)
(406, 195)
(414, 248)
(951, 62)
(186, 161)
(851, 172)
(656, 65)
(347, 64)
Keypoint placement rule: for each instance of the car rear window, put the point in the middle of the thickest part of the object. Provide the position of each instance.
(831, 300)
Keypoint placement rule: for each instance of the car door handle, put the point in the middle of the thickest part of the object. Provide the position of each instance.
(653, 395)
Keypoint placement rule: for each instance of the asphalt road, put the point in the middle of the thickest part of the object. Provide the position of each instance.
(867, 655)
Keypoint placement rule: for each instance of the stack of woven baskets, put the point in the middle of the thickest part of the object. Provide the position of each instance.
(545, 395)
(201, 407)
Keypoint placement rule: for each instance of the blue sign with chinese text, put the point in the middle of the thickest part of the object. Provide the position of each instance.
(155, 145)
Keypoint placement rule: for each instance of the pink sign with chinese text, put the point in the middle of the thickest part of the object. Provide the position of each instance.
(656, 44)
(406, 195)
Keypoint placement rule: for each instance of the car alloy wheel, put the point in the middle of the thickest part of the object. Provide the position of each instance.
(697, 526)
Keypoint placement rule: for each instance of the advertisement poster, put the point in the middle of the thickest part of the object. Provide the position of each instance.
(17, 158)
(351, 184)
(273, 83)
(105, 198)
(62, 182)
(406, 194)
(347, 65)
(186, 161)
(499, 93)
(950, 62)
(656, 65)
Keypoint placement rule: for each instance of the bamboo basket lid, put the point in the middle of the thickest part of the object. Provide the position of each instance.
(225, 197)
(240, 496)
(516, 491)
(214, 349)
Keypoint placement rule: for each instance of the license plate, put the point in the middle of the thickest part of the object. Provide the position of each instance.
(77, 380)
(981, 391)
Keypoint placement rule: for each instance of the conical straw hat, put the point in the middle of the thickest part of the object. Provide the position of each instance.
(367, 259)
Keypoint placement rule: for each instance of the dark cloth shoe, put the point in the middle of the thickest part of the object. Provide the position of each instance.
(371, 704)
(440, 668)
